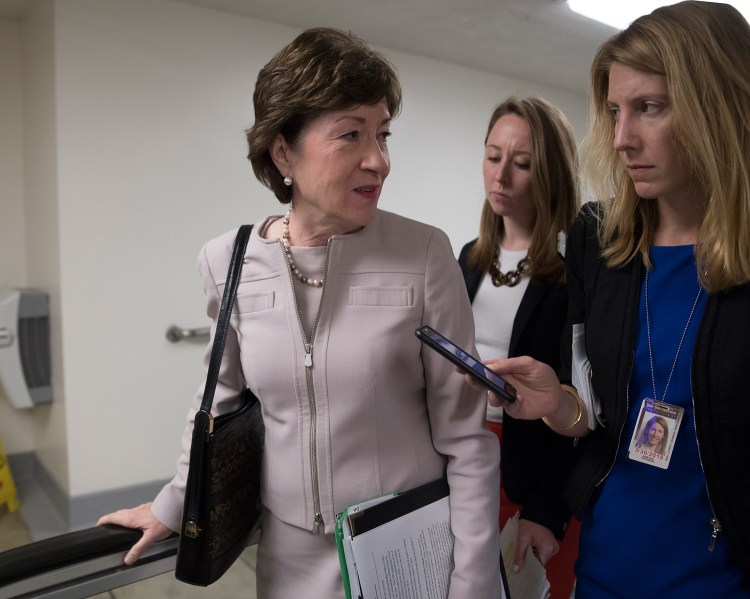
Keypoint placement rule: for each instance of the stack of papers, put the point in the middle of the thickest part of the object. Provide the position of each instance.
(397, 545)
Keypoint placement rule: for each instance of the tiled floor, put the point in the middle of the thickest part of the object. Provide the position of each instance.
(38, 510)
(13, 530)
(239, 581)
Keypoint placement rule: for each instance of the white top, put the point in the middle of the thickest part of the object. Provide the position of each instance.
(494, 312)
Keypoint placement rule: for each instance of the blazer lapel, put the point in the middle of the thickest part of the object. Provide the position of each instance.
(534, 294)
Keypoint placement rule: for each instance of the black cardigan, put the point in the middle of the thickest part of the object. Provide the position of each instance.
(534, 461)
(606, 299)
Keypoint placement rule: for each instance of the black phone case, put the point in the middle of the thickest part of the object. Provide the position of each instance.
(508, 393)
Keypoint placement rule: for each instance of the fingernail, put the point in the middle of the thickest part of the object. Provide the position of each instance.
(129, 559)
(515, 567)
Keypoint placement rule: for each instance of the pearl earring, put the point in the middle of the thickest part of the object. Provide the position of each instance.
(288, 181)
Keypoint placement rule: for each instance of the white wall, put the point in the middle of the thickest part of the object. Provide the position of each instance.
(12, 223)
(12, 217)
(438, 141)
(28, 227)
(151, 102)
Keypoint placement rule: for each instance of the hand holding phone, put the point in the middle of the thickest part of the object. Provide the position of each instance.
(467, 362)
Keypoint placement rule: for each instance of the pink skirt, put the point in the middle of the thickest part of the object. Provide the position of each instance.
(293, 562)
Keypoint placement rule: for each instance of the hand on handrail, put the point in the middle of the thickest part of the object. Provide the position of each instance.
(141, 518)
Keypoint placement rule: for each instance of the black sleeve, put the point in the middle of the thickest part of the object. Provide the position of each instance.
(582, 233)
(535, 461)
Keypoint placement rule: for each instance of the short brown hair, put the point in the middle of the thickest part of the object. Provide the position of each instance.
(554, 184)
(322, 69)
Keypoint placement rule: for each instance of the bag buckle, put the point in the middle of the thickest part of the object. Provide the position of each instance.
(192, 529)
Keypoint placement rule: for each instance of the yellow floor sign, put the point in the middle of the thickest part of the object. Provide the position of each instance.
(7, 488)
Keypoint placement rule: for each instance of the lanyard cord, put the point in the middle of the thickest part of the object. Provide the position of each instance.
(679, 347)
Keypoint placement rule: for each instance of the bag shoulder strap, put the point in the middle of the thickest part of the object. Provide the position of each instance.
(225, 312)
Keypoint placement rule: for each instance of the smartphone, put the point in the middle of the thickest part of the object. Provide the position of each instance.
(470, 364)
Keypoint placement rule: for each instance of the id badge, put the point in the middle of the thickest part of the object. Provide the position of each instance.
(655, 433)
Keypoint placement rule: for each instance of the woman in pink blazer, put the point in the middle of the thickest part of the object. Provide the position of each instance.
(323, 334)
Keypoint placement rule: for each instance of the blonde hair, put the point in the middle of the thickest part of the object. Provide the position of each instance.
(554, 188)
(698, 47)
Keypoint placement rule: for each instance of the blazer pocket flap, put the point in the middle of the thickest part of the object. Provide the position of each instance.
(254, 302)
(381, 296)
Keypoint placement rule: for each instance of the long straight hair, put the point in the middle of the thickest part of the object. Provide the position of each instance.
(554, 184)
(696, 47)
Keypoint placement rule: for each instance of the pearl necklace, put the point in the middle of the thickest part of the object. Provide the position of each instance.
(288, 253)
(510, 278)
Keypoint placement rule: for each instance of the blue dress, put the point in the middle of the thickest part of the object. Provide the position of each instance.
(648, 534)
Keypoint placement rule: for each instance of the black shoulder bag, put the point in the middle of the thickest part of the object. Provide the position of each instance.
(222, 495)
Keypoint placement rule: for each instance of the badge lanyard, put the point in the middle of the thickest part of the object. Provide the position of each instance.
(656, 418)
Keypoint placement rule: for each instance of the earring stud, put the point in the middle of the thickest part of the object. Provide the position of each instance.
(288, 181)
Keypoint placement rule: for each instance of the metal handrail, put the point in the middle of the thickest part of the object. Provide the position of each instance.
(80, 564)
(175, 333)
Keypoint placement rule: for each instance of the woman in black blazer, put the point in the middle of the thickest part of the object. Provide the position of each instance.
(515, 277)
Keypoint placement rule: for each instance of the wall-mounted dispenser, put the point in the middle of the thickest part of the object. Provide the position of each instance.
(25, 356)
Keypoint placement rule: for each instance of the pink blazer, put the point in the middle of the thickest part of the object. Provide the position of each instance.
(381, 413)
